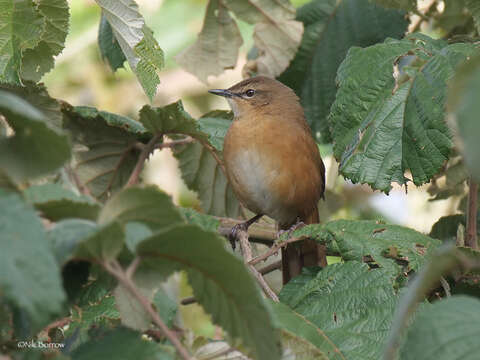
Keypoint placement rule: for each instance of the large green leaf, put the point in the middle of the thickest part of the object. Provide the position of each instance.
(104, 152)
(331, 28)
(109, 47)
(122, 344)
(21, 28)
(408, 5)
(147, 205)
(216, 48)
(201, 173)
(39, 60)
(220, 282)
(385, 244)
(136, 41)
(351, 304)
(57, 203)
(445, 330)
(300, 335)
(464, 106)
(30, 275)
(382, 126)
(215, 124)
(37, 147)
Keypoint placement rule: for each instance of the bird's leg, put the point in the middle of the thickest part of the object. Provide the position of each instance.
(242, 226)
(298, 225)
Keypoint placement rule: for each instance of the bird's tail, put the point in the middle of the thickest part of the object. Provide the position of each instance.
(306, 253)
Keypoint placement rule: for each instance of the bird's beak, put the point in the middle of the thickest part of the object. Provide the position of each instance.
(222, 92)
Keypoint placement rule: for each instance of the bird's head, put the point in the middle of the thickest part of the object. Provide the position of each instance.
(259, 95)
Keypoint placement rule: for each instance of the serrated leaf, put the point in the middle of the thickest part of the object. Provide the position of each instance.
(463, 106)
(427, 338)
(385, 244)
(170, 119)
(216, 48)
(65, 237)
(121, 343)
(220, 282)
(201, 173)
(474, 8)
(206, 222)
(352, 305)
(300, 335)
(136, 41)
(40, 60)
(30, 276)
(216, 124)
(444, 260)
(277, 34)
(331, 28)
(104, 152)
(21, 29)
(57, 203)
(382, 127)
(37, 95)
(109, 47)
(147, 205)
(37, 147)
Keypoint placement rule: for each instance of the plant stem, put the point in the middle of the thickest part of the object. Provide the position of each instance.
(274, 249)
(146, 151)
(471, 233)
(126, 281)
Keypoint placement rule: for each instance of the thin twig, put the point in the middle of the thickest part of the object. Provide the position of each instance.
(471, 233)
(147, 150)
(214, 153)
(117, 271)
(274, 249)
(188, 300)
(173, 143)
(271, 267)
(259, 232)
(242, 237)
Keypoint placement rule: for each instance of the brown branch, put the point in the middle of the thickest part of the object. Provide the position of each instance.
(274, 249)
(188, 300)
(471, 233)
(258, 232)
(173, 143)
(125, 280)
(271, 267)
(146, 151)
(242, 237)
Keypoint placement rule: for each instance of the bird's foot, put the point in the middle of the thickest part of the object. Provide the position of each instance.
(298, 225)
(233, 236)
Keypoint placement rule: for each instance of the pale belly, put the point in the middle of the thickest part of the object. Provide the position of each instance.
(252, 182)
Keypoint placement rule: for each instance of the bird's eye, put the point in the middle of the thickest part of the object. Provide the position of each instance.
(250, 92)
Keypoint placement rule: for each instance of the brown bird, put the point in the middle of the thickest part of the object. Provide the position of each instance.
(273, 163)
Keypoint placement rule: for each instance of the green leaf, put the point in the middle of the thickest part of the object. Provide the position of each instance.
(21, 29)
(300, 335)
(407, 5)
(220, 282)
(384, 126)
(170, 119)
(109, 47)
(351, 304)
(385, 244)
(446, 227)
(104, 151)
(166, 307)
(147, 205)
(121, 344)
(216, 124)
(463, 106)
(331, 28)
(201, 173)
(446, 259)
(39, 60)
(277, 35)
(445, 330)
(67, 235)
(104, 244)
(57, 203)
(136, 41)
(474, 7)
(31, 276)
(216, 48)
(37, 148)
(206, 222)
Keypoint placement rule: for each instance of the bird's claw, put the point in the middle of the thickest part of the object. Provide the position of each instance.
(234, 233)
